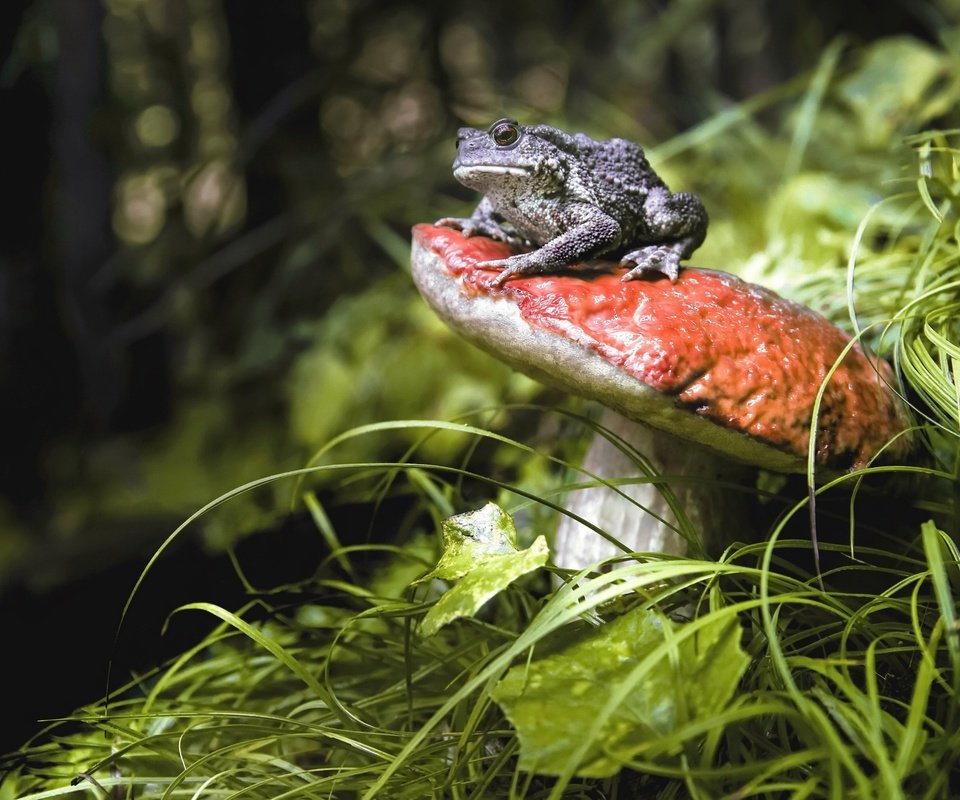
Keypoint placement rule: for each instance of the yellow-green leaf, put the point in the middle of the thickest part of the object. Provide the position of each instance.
(480, 550)
(635, 680)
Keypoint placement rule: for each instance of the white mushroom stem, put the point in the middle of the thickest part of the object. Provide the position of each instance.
(641, 518)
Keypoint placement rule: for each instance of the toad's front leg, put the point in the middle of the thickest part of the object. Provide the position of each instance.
(580, 243)
(484, 222)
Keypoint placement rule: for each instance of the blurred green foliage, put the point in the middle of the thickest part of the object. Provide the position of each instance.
(265, 168)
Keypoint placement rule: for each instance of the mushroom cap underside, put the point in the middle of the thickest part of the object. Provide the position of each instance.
(709, 358)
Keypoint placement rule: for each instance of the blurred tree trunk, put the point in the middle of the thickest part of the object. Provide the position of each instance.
(81, 189)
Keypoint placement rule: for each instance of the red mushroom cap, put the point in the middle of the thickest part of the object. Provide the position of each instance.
(709, 358)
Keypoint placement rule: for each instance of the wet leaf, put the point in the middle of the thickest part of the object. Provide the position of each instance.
(631, 683)
(479, 549)
(470, 539)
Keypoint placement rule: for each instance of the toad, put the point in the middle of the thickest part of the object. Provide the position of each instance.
(568, 199)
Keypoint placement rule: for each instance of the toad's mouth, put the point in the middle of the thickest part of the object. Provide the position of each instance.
(463, 170)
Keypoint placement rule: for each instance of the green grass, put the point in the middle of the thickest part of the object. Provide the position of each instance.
(328, 688)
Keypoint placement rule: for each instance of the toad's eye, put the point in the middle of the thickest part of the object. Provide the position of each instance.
(505, 132)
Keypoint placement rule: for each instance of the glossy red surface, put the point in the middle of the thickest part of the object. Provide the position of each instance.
(733, 352)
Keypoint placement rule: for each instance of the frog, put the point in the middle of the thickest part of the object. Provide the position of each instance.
(566, 200)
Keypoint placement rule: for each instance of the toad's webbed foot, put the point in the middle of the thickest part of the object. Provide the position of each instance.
(663, 258)
(469, 226)
(464, 224)
(520, 264)
(484, 222)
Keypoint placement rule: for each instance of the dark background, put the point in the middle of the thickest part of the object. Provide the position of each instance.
(336, 120)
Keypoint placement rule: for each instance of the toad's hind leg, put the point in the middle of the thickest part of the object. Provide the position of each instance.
(676, 226)
(662, 258)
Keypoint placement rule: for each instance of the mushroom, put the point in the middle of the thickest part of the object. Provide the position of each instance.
(704, 377)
